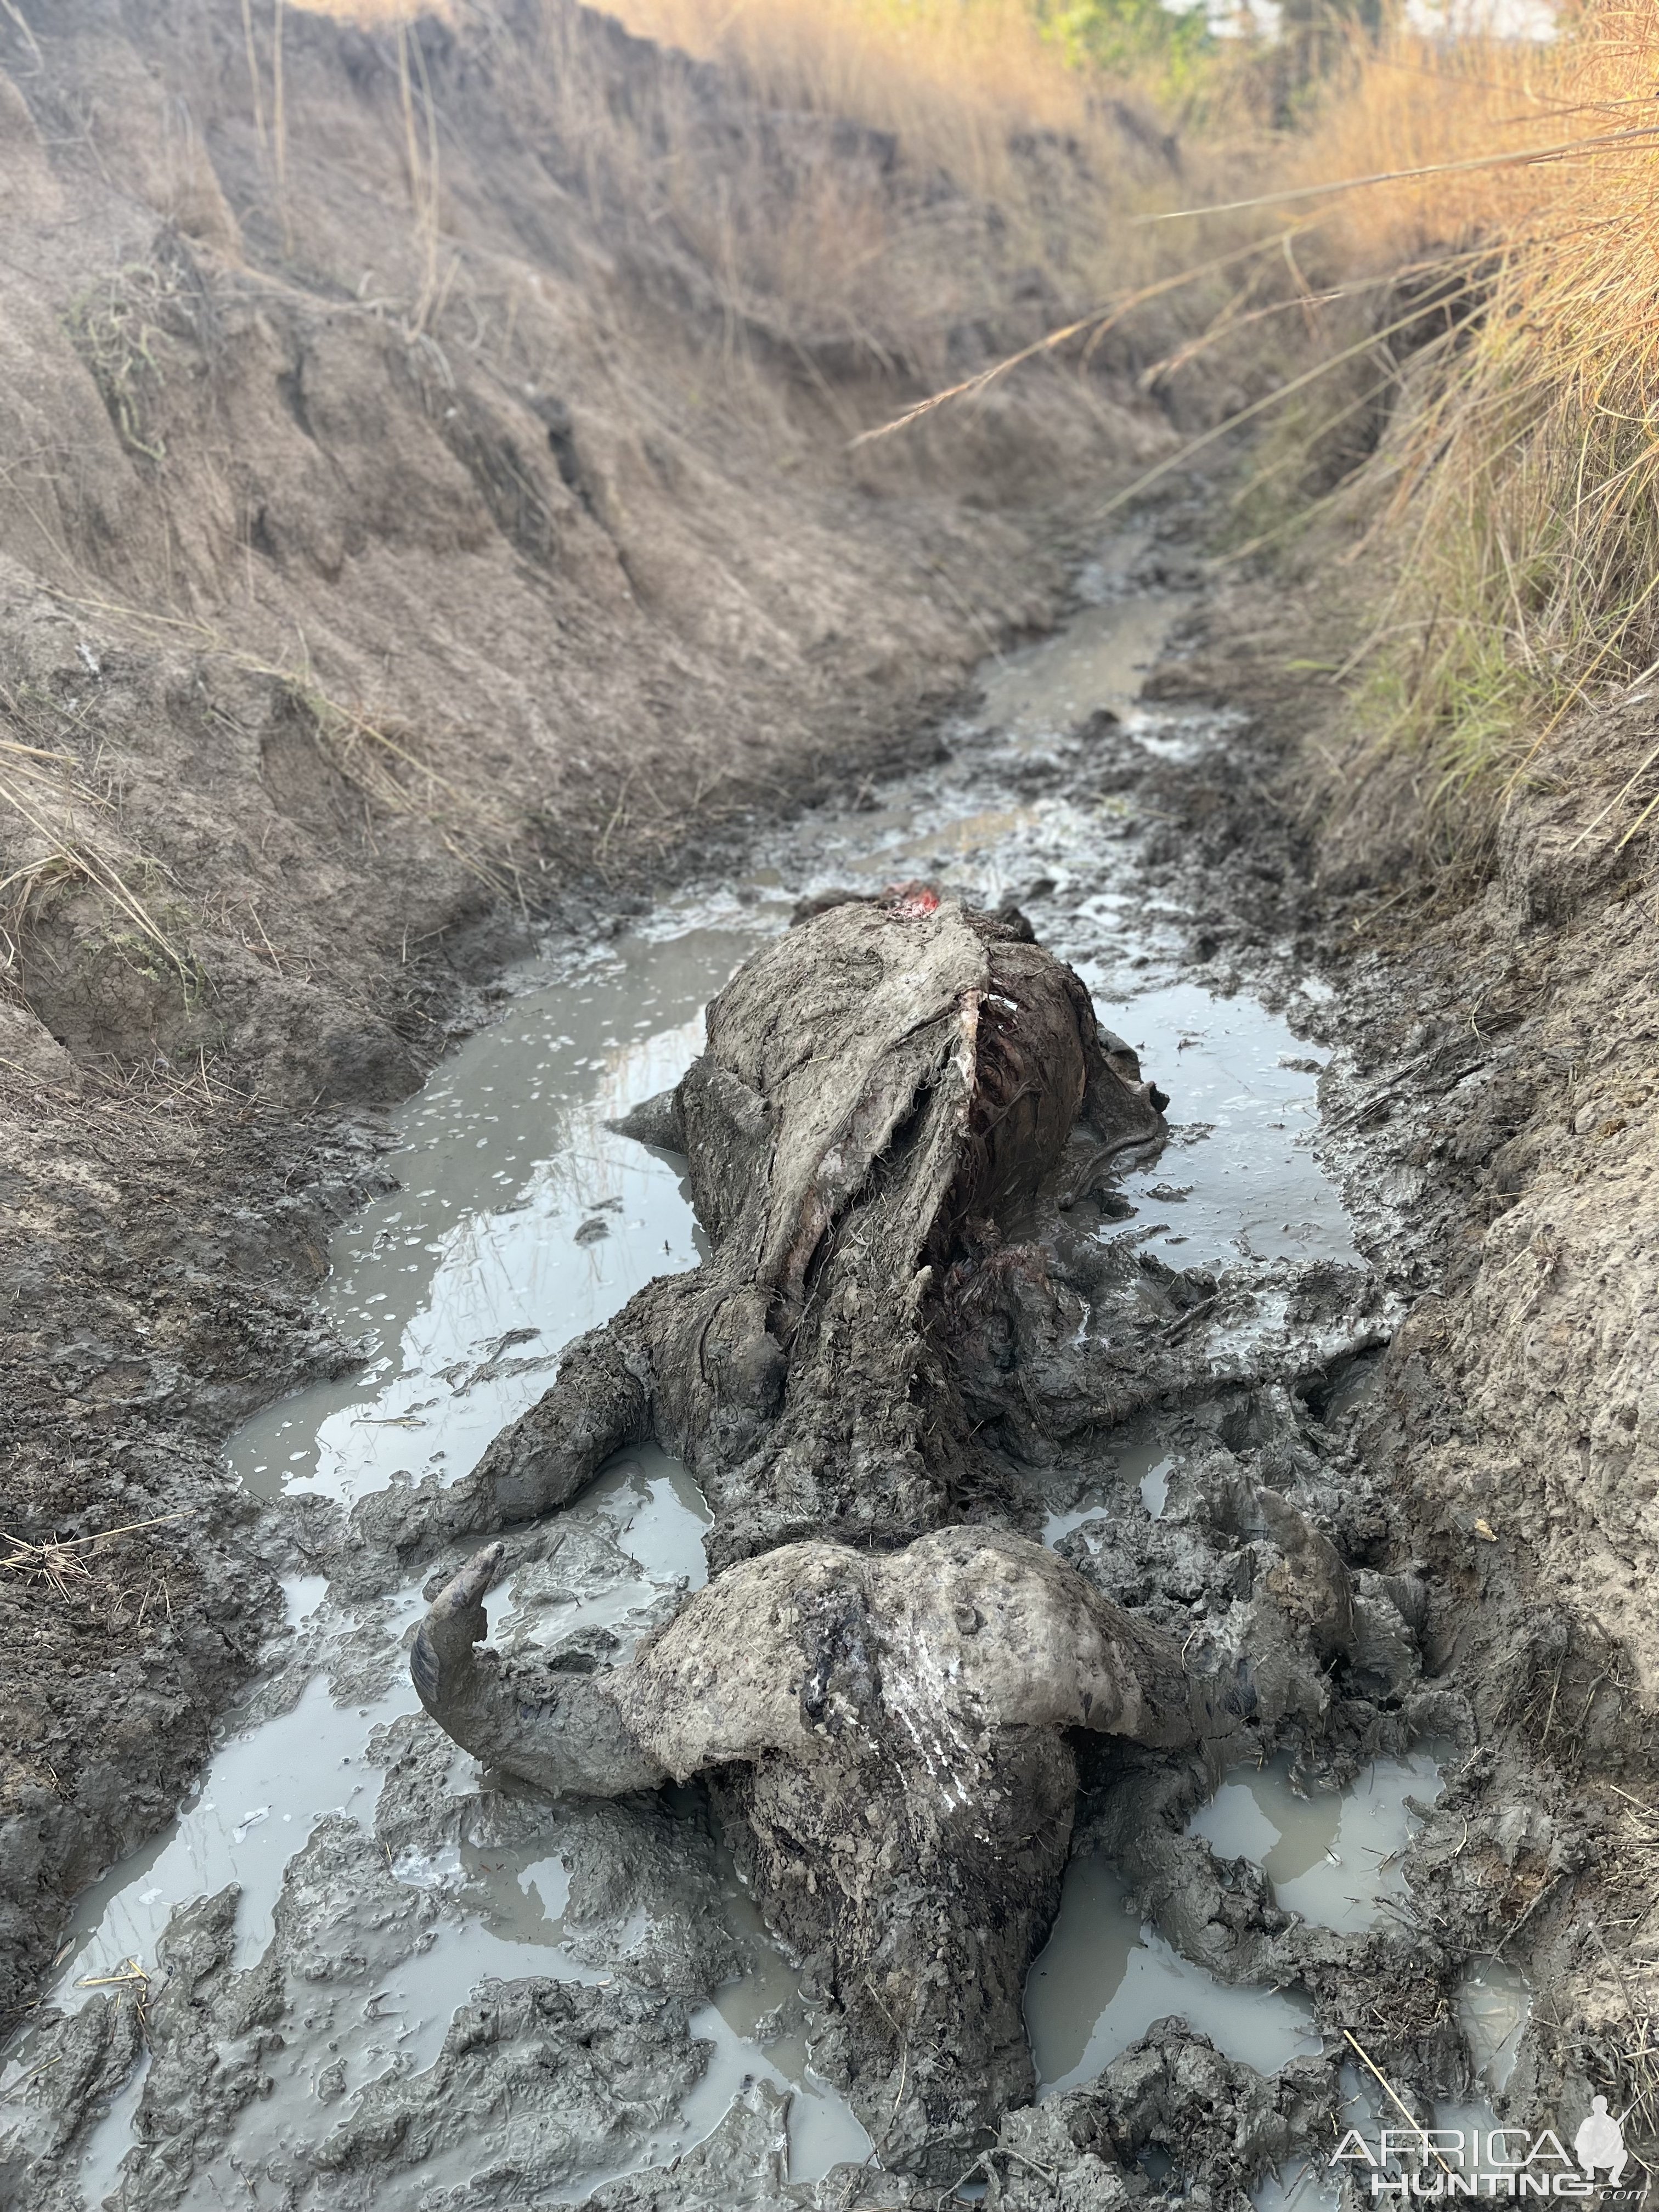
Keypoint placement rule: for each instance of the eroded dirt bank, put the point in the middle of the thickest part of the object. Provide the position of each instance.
(1498, 1024)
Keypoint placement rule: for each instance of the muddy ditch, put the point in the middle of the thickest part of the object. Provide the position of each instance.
(359, 1968)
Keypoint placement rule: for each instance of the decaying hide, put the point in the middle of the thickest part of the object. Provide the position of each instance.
(883, 1089)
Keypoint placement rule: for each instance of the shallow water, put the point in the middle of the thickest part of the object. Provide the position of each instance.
(1462, 2140)
(1240, 1181)
(1332, 1857)
(1108, 647)
(1314, 2184)
(520, 1222)
(1104, 1977)
(1154, 1486)
(270, 1782)
(1137, 1456)
(1493, 2007)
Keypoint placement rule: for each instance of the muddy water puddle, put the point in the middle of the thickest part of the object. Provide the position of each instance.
(1140, 1461)
(1106, 1976)
(1493, 2007)
(1239, 1181)
(1332, 1857)
(521, 1221)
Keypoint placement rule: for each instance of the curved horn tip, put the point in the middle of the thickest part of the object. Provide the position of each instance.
(467, 1587)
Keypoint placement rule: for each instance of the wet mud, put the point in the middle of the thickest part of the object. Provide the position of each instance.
(364, 1969)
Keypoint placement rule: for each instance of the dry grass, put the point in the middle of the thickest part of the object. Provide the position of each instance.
(116, 335)
(382, 761)
(373, 11)
(1629, 2043)
(1514, 503)
(953, 80)
(380, 758)
(1512, 537)
(63, 1561)
(68, 834)
(966, 172)
(982, 104)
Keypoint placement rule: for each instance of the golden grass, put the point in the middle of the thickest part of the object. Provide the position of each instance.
(985, 185)
(985, 99)
(991, 182)
(366, 11)
(1519, 484)
(953, 80)
(1514, 505)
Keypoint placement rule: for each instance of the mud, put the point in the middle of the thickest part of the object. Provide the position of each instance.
(884, 1094)
(1232, 1416)
(1495, 1037)
(1239, 1501)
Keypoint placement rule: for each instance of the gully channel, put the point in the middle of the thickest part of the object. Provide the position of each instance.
(347, 1912)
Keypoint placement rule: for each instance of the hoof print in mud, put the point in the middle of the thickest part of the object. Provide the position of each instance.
(885, 1735)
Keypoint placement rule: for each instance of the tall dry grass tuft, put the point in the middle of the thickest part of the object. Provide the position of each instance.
(1515, 496)
(67, 832)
